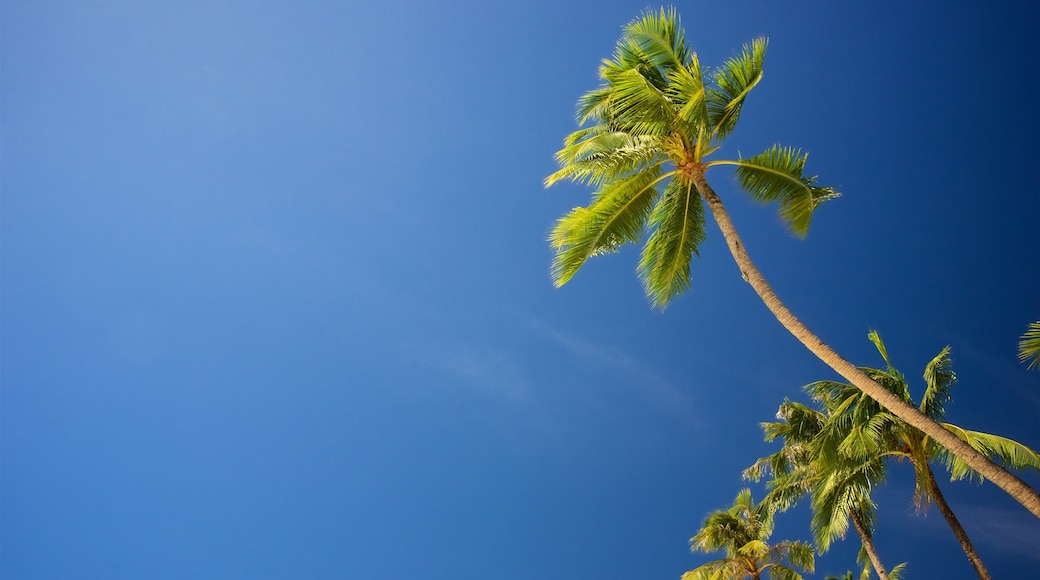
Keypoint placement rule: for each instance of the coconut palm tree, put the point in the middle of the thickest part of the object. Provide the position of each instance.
(741, 531)
(645, 143)
(1029, 346)
(840, 486)
(860, 428)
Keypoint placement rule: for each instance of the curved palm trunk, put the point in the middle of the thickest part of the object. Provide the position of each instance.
(868, 545)
(1004, 479)
(962, 536)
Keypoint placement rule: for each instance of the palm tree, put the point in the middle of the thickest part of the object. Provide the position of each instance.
(646, 137)
(840, 486)
(860, 428)
(1029, 346)
(742, 531)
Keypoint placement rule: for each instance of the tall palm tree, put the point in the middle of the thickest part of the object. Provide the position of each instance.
(741, 531)
(646, 137)
(1029, 346)
(860, 428)
(840, 486)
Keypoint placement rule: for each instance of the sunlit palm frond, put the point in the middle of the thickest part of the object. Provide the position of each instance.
(686, 90)
(879, 344)
(617, 216)
(732, 83)
(722, 569)
(595, 156)
(660, 37)
(939, 378)
(677, 229)
(897, 572)
(1009, 452)
(639, 106)
(594, 105)
(1029, 346)
(776, 175)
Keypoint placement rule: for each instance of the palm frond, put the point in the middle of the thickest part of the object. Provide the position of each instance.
(732, 83)
(638, 105)
(660, 37)
(677, 225)
(776, 175)
(1010, 453)
(879, 344)
(939, 378)
(781, 572)
(596, 156)
(1029, 346)
(686, 90)
(616, 216)
(896, 573)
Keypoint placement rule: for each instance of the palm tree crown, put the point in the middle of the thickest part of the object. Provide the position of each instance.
(741, 531)
(646, 135)
(647, 132)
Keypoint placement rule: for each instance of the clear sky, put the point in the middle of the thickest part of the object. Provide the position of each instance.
(276, 302)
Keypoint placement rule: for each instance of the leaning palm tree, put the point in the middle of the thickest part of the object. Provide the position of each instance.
(741, 531)
(1029, 346)
(839, 485)
(860, 428)
(645, 143)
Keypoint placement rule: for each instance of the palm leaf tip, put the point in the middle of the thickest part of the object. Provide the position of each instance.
(1029, 346)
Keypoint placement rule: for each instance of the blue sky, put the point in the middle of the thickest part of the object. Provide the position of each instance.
(276, 303)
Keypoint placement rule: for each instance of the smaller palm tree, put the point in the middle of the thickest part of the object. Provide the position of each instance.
(863, 429)
(741, 531)
(839, 486)
(1029, 346)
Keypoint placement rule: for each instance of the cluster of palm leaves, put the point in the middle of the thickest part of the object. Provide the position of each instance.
(839, 450)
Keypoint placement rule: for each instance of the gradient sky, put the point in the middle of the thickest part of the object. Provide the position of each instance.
(276, 303)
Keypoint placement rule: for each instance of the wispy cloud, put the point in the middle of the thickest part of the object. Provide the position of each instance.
(627, 370)
(490, 372)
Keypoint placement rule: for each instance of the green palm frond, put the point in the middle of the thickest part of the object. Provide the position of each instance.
(686, 89)
(798, 553)
(896, 573)
(939, 378)
(879, 344)
(776, 175)
(639, 106)
(660, 37)
(596, 156)
(1029, 346)
(615, 217)
(733, 81)
(677, 225)
(781, 572)
(721, 569)
(1009, 452)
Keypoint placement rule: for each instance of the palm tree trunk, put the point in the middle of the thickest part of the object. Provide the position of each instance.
(868, 545)
(1004, 479)
(962, 536)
